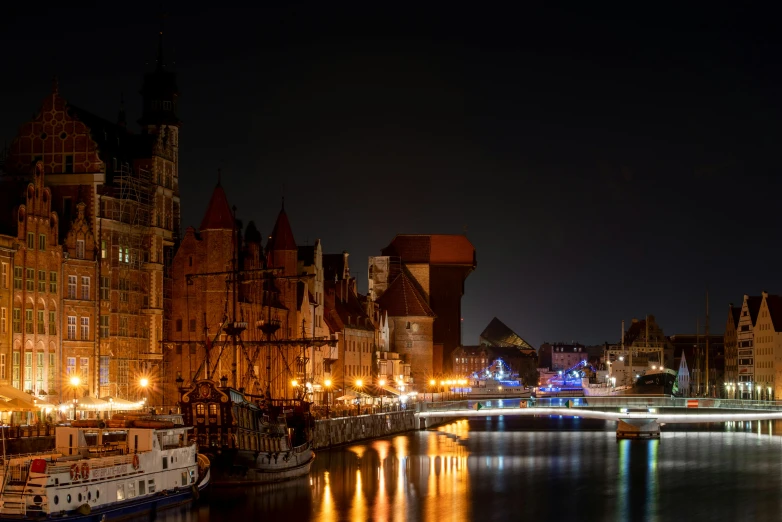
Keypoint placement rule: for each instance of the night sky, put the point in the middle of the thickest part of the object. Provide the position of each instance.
(607, 164)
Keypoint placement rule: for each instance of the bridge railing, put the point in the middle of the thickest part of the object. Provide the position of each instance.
(602, 403)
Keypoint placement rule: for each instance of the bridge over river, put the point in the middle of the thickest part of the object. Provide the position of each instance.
(636, 416)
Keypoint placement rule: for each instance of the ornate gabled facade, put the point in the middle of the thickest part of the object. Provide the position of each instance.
(745, 339)
(80, 311)
(768, 344)
(129, 186)
(35, 349)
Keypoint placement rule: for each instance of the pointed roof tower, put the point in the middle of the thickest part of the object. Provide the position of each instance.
(281, 237)
(218, 214)
(160, 93)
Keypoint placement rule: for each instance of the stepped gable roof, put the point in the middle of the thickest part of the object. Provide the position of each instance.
(774, 303)
(403, 299)
(334, 266)
(736, 313)
(218, 214)
(498, 334)
(281, 237)
(434, 249)
(753, 305)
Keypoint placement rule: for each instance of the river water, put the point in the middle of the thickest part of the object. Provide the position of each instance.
(513, 468)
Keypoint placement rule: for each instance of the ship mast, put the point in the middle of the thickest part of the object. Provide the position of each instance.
(706, 371)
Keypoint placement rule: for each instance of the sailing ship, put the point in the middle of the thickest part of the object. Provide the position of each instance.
(98, 472)
(253, 431)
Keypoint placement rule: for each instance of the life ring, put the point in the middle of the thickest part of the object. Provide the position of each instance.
(135, 461)
(74, 471)
(85, 471)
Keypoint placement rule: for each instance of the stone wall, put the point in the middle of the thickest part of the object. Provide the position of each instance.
(333, 432)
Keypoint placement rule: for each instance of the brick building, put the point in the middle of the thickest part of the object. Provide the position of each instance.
(127, 186)
(437, 265)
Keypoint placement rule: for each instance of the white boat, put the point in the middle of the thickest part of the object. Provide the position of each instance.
(100, 473)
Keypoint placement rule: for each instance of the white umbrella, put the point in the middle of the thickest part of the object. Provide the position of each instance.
(118, 404)
(91, 403)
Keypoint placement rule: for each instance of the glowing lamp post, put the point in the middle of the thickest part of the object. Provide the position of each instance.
(327, 384)
(359, 385)
(432, 384)
(144, 382)
(382, 383)
(75, 382)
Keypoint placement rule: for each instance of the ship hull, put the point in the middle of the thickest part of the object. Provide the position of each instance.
(240, 467)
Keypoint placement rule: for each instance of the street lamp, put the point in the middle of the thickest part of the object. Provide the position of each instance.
(144, 382)
(111, 406)
(327, 384)
(359, 385)
(432, 384)
(75, 382)
(382, 383)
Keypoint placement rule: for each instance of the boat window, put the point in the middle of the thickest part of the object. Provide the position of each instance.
(184, 478)
(120, 491)
(141, 487)
(165, 462)
(68, 499)
(56, 499)
(151, 485)
(131, 489)
(192, 476)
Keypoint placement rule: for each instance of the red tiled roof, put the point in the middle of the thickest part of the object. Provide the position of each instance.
(402, 299)
(218, 214)
(282, 236)
(435, 249)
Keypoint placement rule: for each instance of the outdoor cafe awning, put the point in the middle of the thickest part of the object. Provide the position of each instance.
(9, 392)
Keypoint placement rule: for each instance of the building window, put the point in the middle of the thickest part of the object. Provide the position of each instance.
(85, 328)
(124, 286)
(103, 249)
(70, 366)
(39, 372)
(122, 372)
(52, 366)
(71, 327)
(104, 370)
(3, 320)
(17, 358)
(3, 375)
(85, 368)
(192, 325)
(42, 242)
(53, 282)
(52, 322)
(123, 326)
(166, 105)
(28, 320)
(85, 288)
(30, 240)
(72, 287)
(104, 288)
(41, 324)
(17, 278)
(179, 325)
(28, 371)
(104, 326)
(17, 320)
(42, 281)
(68, 164)
(30, 279)
(5, 275)
(80, 249)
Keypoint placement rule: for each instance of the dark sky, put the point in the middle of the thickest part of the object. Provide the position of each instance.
(607, 163)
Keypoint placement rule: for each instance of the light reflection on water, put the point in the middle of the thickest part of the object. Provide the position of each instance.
(538, 469)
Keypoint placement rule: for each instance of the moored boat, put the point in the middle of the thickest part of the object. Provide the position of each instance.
(99, 473)
(249, 440)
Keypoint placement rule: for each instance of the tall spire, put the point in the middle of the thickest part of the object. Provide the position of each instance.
(160, 63)
(282, 235)
(55, 85)
(219, 215)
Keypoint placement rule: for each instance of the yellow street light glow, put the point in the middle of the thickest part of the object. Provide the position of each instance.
(75, 381)
(359, 383)
(432, 382)
(327, 383)
(144, 382)
(294, 383)
(382, 382)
